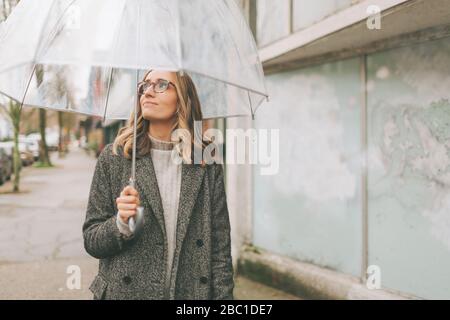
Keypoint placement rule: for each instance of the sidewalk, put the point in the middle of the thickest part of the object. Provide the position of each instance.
(41, 237)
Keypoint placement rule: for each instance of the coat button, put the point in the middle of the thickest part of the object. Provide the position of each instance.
(126, 279)
(203, 280)
(199, 243)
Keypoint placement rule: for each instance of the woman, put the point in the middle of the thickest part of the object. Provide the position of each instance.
(184, 250)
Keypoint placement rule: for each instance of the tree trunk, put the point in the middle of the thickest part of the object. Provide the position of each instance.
(43, 149)
(15, 112)
(61, 147)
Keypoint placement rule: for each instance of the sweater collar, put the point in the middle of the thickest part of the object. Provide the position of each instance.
(160, 144)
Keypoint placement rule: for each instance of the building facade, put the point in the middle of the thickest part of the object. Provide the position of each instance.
(360, 94)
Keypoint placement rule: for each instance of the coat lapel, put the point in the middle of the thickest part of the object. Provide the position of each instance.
(149, 191)
(191, 180)
(147, 184)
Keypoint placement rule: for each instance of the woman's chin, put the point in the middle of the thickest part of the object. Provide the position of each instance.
(155, 116)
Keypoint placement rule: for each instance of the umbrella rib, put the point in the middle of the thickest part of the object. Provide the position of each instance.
(227, 116)
(41, 33)
(219, 13)
(230, 36)
(254, 47)
(178, 27)
(250, 104)
(28, 85)
(116, 42)
(53, 31)
(257, 107)
(36, 52)
(107, 94)
(116, 118)
(133, 162)
(227, 82)
(34, 58)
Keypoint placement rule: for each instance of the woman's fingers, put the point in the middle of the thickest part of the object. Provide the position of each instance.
(128, 199)
(129, 191)
(127, 203)
(127, 213)
(126, 206)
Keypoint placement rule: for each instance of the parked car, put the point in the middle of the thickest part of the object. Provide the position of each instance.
(2, 175)
(8, 147)
(33, 145)
(5, 166)
(52, 139)
(25, 154)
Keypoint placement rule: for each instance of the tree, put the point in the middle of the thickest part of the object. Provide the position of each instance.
(43, 148)
(61, 150)
(13, 111)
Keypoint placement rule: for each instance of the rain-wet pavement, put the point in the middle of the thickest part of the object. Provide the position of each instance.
(44, 221)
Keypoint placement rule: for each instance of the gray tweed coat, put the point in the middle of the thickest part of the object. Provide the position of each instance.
(135, 267)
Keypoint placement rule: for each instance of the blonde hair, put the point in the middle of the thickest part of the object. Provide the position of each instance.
(188, 111)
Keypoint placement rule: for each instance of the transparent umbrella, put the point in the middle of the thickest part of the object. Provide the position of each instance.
(87, 56)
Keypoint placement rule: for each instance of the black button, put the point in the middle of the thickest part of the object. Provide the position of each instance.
(199, 242)
(204, 280)
(127, 280)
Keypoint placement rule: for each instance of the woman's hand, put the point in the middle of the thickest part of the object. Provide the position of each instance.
(127, 203)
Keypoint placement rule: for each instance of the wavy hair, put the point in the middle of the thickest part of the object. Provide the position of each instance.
(188, 111)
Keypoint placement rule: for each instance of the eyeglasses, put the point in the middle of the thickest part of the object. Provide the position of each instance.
(159, 86)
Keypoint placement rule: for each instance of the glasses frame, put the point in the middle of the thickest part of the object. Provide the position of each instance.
(153, 84)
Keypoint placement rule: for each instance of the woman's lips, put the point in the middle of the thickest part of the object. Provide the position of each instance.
(150, 103)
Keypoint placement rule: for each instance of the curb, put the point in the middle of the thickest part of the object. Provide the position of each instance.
(306, 280)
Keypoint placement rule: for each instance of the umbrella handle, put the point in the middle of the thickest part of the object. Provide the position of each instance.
(137, 224)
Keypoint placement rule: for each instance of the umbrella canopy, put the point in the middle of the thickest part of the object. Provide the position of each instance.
(87, 56)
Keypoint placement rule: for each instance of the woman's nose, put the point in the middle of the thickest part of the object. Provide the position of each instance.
(149, 92)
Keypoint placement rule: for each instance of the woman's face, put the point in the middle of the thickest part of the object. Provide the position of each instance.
(159, 106)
